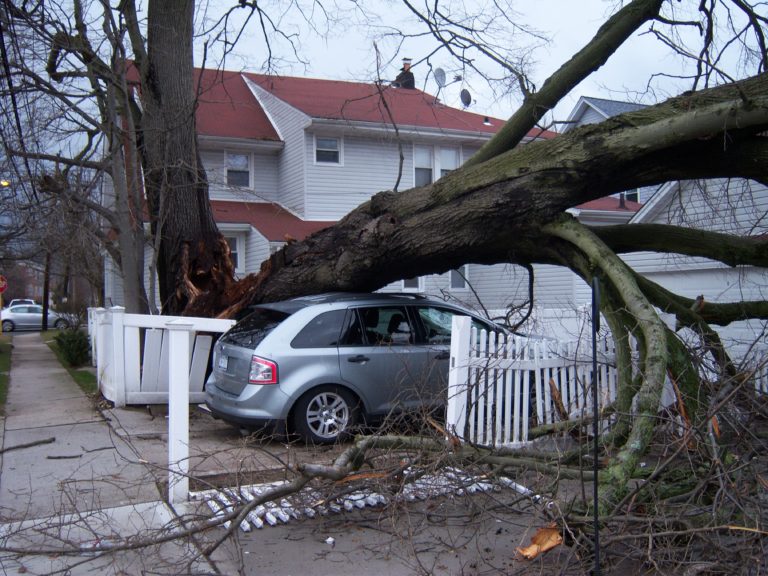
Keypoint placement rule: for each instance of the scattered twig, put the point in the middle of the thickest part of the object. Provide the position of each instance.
(29, 444)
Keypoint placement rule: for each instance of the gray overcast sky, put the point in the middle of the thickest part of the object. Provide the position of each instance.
(346, 53)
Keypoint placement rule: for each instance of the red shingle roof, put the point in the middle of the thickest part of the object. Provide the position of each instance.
(273, 221)
(361, 102)
(227, 108)
(611, 204)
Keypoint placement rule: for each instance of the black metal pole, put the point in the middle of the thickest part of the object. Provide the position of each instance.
(595, 419)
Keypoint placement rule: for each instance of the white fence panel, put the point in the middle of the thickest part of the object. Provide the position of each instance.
(132, 356)
(498, 385)
(499, 388)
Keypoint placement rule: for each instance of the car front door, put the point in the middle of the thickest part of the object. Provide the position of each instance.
(379, 357)
(434, 326)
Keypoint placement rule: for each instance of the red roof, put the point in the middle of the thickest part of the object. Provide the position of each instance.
(227, 108)
(273, 221)
(611, 204)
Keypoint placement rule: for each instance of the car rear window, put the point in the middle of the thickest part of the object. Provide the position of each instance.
(254, 328)
(322, 331)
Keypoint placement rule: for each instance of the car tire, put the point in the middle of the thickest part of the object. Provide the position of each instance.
(8, 326)
(61, 324)
(325, 415)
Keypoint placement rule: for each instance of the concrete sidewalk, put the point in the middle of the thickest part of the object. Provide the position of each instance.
(72, 478)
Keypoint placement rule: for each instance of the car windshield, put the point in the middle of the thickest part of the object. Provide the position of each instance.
(253, 328)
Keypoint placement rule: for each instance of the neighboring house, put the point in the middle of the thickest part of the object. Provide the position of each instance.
(288, 156)
(735, 206)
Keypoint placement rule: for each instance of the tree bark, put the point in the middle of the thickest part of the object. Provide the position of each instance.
(193, 256)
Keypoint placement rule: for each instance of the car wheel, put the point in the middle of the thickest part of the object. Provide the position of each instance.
(8, 326)
(61, 324)
(325, 415)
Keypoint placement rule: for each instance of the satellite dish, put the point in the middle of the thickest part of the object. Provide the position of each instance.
(466, 97)
(440, 77)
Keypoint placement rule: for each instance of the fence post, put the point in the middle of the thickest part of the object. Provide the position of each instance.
(117, 366)
(178, 410)
(96, 332)
(458, 375)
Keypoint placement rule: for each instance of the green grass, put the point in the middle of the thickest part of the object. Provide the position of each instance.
(84, 376)
(5, 369)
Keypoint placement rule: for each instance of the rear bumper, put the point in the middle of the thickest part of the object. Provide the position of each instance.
(265, 424)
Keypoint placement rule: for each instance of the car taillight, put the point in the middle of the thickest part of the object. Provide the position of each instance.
(262, 371)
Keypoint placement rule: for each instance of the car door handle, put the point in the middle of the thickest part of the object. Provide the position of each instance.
(359, 359)
(443, 355)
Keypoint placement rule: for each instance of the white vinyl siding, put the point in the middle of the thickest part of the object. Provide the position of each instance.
(370, 166)
(264, 183)
(292, 160)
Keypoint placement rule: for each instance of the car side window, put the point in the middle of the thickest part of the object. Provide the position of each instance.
(438, 322)
(322, 331)
(379, 326)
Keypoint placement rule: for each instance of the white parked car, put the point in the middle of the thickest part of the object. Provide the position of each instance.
(16, 301)
(30, 317)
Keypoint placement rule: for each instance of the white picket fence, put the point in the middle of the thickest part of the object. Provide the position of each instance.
(131, 353)
(499, 387)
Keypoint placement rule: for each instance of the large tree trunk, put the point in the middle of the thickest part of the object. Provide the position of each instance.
(192, 254)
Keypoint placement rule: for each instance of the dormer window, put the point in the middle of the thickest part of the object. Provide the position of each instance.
(238, 170)
(327, 150)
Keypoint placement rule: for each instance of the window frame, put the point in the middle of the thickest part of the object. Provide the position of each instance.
(339, 151)
(239, 251)
(436, 154)
(464, 270)
(419, 288)
(227, 168)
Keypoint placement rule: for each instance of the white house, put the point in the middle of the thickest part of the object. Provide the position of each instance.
(287, 156)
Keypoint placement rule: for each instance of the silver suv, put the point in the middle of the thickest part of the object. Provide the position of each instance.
(321, 365)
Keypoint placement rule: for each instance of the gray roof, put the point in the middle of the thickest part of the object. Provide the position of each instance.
(612, 107)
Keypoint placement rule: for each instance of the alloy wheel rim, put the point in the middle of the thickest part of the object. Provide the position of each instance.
(328, 415)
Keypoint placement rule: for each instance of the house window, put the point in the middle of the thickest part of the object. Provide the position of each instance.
(430, 160)
(422, 165)
(238, 170)
(458, 278)
(327, 150)
(449, 160)
(233, 253)
(412, 285)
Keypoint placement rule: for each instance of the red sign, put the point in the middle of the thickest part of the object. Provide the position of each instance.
(3, 284)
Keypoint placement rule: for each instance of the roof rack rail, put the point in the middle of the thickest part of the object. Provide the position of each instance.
(414, 295)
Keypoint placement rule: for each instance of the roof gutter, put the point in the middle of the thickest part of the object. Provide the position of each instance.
(379, 129)
(251, 144)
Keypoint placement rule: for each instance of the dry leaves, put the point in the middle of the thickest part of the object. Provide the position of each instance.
(544, 539)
